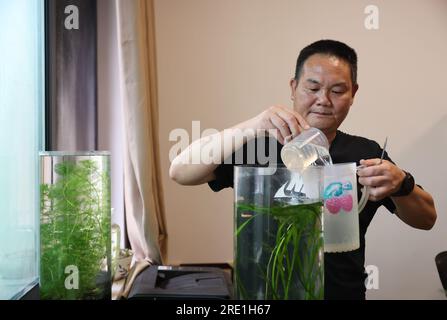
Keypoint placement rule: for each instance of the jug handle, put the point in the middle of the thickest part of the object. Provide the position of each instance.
(363, 199)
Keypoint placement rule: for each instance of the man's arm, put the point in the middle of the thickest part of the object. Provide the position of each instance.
(193, 167)
(416, 209)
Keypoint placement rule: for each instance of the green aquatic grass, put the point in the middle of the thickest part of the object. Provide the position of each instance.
(293, 269)
(75, 231)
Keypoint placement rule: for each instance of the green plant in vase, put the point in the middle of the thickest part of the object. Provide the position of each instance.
(75, 232)
(289, 262)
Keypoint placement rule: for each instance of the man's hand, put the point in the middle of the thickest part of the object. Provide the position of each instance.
(383, 179)
(286, 122)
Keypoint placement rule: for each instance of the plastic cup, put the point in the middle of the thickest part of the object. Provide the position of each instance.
(309, 147)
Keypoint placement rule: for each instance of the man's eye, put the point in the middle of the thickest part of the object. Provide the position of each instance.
(313, 89)
(338, 92)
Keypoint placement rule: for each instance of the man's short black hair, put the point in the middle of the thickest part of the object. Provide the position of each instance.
(331, 48)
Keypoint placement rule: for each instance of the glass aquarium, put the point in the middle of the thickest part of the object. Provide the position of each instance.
(21, 138)
(278, 233)
(75, 230)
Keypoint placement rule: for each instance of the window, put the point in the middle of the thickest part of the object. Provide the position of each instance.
(21, 137)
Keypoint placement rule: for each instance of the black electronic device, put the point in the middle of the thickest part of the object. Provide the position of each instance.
(169, 282)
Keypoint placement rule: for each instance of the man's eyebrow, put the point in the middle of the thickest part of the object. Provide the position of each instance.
(312, 81)
(340, 84)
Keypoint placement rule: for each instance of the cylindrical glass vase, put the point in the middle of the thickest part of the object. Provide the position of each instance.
(278, 233)
(75, 240)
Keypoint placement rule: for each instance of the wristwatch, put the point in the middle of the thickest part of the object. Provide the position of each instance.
(406, 187)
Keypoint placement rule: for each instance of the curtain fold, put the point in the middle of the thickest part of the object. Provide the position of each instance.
(71, 115)
(143, 192)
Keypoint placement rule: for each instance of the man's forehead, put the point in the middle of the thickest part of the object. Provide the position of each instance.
(318, 66)
(325, 59)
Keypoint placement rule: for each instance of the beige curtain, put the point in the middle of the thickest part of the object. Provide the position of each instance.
(143, 192)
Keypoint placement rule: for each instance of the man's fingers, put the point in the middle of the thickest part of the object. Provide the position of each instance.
(278, 136)
(370, 171)
(370, 162)
(288, 122)
(371, 167)
(287, 139)
(376, 181)
(281, 125)
(291, 121)
(377, 194)
(302, 122)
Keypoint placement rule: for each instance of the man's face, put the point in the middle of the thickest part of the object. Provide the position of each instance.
(324, 92)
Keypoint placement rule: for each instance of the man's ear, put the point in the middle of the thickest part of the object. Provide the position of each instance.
(354, 90)
(293, 85)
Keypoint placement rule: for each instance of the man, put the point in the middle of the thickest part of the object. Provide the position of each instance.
(322, 92)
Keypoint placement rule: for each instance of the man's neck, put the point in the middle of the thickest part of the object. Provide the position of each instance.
(330, 136)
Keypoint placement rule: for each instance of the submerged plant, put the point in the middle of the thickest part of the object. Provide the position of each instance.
(290, 261)
(75, 232)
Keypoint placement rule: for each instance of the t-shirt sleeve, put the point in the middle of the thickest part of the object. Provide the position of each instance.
(224, 177)
(225, 171)
(389, 204)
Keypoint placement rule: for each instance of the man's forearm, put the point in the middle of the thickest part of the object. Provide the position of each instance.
(417, 209)
(196, 164)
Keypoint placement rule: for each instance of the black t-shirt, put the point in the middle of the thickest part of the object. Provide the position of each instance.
(344, 272)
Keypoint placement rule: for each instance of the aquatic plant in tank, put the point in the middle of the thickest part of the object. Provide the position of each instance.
(278, 234)
(75, 230)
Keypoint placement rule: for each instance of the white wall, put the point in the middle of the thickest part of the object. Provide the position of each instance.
(221, 62)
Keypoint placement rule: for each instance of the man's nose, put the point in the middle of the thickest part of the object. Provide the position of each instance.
(323, 98)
